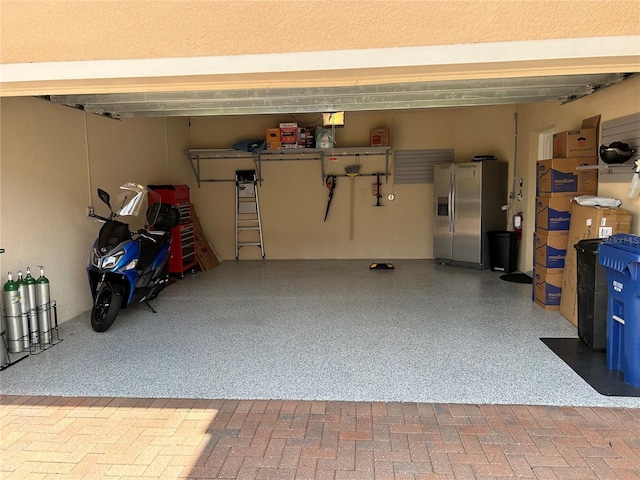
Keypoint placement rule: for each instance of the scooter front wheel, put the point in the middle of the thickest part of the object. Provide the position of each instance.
(106, 308)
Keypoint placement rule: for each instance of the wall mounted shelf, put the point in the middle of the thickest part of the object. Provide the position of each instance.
(610, 168)
(195, 156)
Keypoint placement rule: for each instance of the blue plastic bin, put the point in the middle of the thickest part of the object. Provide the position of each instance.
(620, 255)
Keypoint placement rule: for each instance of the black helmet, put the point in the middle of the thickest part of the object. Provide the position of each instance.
(617, 152)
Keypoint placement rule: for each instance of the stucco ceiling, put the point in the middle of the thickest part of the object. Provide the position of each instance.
(396, 96)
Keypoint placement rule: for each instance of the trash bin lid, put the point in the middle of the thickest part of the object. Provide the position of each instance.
(589, 245)
(624, 241)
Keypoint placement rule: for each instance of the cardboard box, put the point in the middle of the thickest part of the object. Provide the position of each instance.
(550, 250)
(587, 222)
(302, 137)
(310, 138)
(306, 137)
(547, 286)
(380, 137)
(546, 307)
(578, 143)
(207, 259)
(288, 135)
(205, 254)
(553, 215)
(273, 138)
(559, 177)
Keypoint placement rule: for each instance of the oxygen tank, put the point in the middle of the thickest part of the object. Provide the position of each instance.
(31, 294)
(4, 355)
(24, 309)
(44, 310)
(13, 315)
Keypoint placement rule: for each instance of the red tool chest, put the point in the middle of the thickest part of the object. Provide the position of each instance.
(183, 245)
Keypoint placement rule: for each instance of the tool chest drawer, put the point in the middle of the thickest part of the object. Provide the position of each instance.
(185, 212)
(183, 243)
(183, 248)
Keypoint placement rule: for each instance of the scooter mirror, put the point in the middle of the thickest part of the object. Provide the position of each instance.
(104, 196)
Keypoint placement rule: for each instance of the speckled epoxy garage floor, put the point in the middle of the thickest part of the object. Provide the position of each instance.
(322, 330)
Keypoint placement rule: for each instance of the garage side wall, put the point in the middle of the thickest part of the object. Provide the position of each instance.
(611, 103)
(53, 158)
(44, 198)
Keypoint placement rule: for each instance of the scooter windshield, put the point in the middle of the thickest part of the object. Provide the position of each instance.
(130, 200)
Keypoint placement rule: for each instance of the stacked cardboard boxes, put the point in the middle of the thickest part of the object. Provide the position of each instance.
(558, 180)
(289, 135)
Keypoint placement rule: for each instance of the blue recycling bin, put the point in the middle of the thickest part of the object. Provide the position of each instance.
(620, 255)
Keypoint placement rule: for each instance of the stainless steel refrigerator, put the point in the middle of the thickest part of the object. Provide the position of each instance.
(468, 201)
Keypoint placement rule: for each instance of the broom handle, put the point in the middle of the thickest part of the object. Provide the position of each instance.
(353, 190)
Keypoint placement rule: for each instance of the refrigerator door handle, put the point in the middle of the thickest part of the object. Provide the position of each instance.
(452, 204)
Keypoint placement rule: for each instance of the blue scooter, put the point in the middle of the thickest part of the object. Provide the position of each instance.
(129, 267)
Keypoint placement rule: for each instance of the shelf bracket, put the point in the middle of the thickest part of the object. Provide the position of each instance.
(257, 161)
(195, 168)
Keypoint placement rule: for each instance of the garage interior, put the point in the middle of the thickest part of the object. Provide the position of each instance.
(309, 328)
(77, 120)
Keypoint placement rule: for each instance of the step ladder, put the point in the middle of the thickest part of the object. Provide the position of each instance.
(248, 224)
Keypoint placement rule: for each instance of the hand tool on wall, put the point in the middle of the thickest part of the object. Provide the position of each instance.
(352, 172)
(376, 191)
(331, 185)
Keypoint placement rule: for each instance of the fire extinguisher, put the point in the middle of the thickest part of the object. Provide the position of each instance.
(517, 224)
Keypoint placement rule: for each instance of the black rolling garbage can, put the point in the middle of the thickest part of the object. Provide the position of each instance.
(503, 251)
(592, 295)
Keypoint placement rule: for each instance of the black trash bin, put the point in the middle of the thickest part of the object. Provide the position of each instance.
(592, 295)
(503, 251)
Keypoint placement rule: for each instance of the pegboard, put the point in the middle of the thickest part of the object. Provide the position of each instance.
(626, 130)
